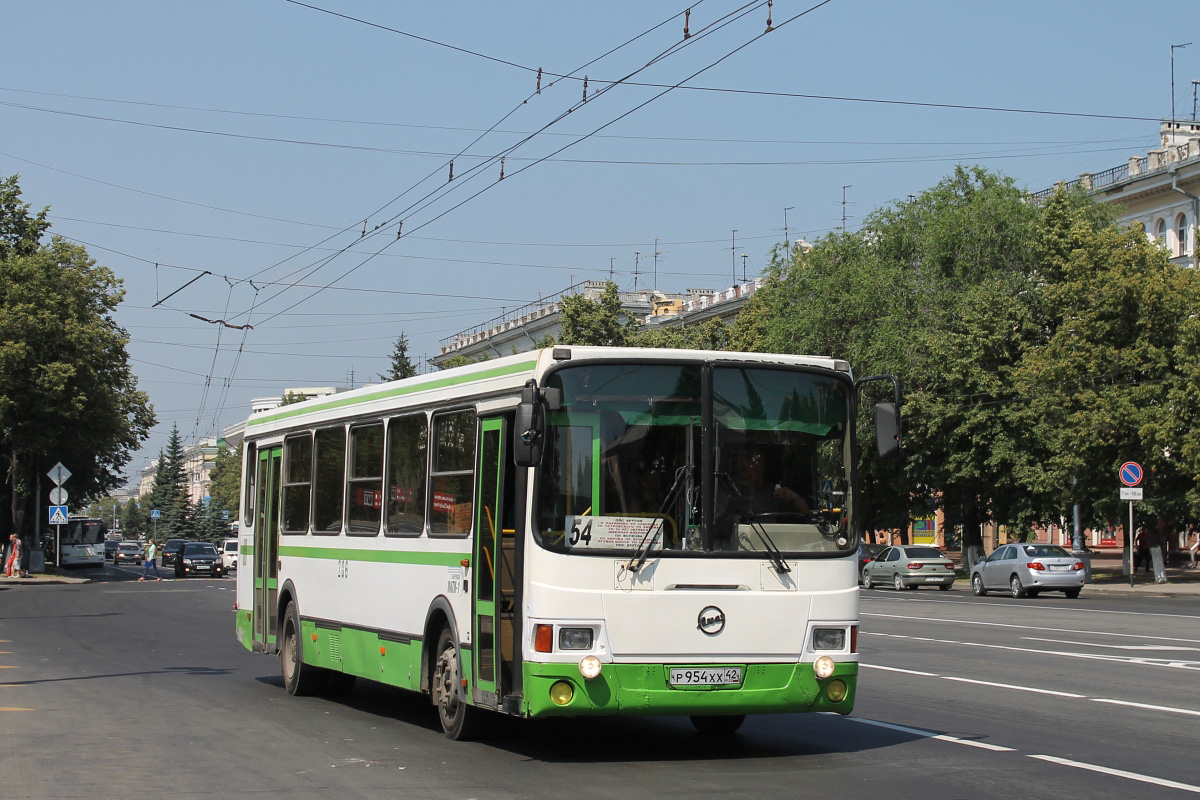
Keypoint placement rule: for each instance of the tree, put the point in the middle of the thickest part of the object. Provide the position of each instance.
(225, 485)
(1113, 380)
(595, 322)
(135, 518)
(170, 495)
(291, 398)
(67, 392)
(402, 366)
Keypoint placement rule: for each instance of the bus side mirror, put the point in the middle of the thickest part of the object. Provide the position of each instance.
(529, 428)
(887, 430)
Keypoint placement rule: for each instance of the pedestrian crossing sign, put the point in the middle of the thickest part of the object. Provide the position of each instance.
(58, 515)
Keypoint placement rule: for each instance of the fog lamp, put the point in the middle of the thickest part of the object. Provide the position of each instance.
(589, 667)
(835, 690)
(561, 693)
(823, 667)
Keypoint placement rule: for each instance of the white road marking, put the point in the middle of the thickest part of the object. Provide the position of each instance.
(931, 735)
(1111, 646)
(1120, 773)
(1059, 608)
(1018, 688)
(1027, 627)
(1070, 695)
(897, 669)
(1148, 662)
(1170, 709)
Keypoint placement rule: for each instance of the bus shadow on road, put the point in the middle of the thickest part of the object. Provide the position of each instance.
(630, 738)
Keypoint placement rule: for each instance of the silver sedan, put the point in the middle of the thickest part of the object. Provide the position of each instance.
(1027, 569)
(909, 567)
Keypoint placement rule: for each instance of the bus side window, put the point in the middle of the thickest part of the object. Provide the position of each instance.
(453, 475)
(329, 486)
(250, 471)
(406, 474)
(297, 482)
(364, 480)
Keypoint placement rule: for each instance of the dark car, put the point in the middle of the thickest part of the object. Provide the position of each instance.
(128, 552)
(171, 550)
(110, 547)
(867, 553)
(198, 558)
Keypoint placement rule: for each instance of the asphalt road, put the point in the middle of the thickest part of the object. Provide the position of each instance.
(119, 689)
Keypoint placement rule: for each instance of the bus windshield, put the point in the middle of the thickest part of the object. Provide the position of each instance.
(625, 469)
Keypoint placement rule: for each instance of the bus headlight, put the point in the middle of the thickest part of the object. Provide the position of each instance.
(823, 667)
(829, 638)
(589, 667)
(574, 638)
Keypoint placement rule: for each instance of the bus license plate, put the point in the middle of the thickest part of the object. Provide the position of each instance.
(706, 676)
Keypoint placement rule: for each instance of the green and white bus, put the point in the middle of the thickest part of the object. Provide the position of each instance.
(569, 531)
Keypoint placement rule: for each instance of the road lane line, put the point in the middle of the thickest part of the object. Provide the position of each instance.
(1171, 709)
(1027, 627)
(1148, 662)
(1120, 773)
(897, 669)
(1159, 647)
(883, 598)
(931, 735)
(3, 708)
(1018, 688)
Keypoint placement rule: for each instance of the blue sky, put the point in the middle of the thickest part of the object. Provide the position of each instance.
(250, 140)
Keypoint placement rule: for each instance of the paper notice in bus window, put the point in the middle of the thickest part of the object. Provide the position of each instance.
(612, 533)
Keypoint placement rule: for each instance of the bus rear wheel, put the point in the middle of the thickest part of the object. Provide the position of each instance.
(300, 679)
(460, 721)
(719, 724)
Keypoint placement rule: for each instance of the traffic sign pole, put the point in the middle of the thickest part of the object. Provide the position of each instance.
(1130, 474)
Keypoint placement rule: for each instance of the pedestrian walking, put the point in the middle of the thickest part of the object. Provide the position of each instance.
(151, 552)
(1142, 556)
(12, 568)
(1195, 543)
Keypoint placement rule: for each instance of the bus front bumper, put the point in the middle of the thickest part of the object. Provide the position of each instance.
(645, 689)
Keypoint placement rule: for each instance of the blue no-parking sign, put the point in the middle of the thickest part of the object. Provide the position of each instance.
(1131, 473)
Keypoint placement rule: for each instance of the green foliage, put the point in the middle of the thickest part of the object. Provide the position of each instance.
(462, 361)
(291, 398)
(402, 366)
(135, 518)
(226, 480)
(170, 495)
(67, 392)
(711, 334)
(595, 322)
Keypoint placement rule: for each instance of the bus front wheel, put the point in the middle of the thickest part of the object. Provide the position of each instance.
(460, 721)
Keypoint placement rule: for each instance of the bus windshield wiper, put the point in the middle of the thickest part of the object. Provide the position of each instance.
(682, 476)
(772, 551)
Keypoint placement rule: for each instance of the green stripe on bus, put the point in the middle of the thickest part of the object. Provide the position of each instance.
(376, 556)
(247, 550)
(399, 391)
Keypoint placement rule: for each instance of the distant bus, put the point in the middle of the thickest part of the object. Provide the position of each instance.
(81, 543)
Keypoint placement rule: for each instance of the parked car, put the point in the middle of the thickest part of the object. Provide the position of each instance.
(129, 552)
(170, 551)
(110, 547)
(867, 553)
(1027, 570)
(229, 554)
(909, 566)
(198, 558)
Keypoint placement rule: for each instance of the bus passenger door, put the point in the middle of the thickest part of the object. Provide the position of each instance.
(266, 549)
(494, 584)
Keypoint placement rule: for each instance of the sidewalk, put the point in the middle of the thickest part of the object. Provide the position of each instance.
(49, 577)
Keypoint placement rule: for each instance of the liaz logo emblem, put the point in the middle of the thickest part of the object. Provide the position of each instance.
(711, 621)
